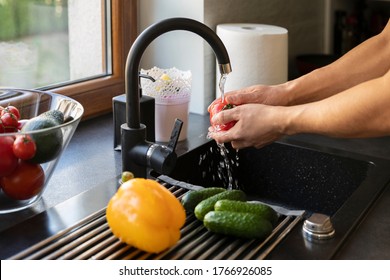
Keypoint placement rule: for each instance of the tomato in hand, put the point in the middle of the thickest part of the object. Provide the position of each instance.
(24, 147)
(25, 182)
(217, 106)
(8, 161)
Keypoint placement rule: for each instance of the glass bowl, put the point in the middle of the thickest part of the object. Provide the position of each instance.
(29, 153)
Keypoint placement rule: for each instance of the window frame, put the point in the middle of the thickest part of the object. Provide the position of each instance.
(96, 94)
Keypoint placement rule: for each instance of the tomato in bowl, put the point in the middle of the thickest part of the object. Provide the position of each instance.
(35, 128)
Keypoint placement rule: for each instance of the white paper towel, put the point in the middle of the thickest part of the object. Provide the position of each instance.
(258, 54)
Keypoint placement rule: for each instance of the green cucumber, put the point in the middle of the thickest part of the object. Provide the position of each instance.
(207, 204)
(191, 198)
(248, 207)
(238, 224)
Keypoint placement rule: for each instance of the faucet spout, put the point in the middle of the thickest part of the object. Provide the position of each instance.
(133, 128)
(143, 41)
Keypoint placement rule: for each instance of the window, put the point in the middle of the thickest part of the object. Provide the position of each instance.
(73, 47)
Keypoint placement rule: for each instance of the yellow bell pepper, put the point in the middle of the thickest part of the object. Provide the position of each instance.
(146, 215)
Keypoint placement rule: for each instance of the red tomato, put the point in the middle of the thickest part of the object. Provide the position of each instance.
(25, 182)
(8, 161)
(11, 109)
(2, 128)
(9, 121)
(217, 106)
(24, 147)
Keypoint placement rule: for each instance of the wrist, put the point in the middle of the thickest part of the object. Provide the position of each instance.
(282, 94)
(290, 120)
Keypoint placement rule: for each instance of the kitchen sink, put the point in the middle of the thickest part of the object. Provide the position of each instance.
(338, 184)
(302, 179)
(295, 177)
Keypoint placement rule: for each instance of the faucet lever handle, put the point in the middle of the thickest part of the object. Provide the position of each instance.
(175, 134)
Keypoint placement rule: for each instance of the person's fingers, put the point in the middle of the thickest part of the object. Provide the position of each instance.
(242, 96)
(224, 116)
(220, 136)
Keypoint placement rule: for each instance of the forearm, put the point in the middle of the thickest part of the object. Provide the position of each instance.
(361, 111)
(367, 61)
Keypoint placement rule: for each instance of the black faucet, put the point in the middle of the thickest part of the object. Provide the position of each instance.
(137, 153)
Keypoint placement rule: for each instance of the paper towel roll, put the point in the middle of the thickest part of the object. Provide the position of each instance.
(258, 54)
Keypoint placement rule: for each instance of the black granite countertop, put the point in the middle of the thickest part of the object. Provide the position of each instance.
(87, 176)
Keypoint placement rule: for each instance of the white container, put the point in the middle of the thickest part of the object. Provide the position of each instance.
(172, 92)
(166, 111)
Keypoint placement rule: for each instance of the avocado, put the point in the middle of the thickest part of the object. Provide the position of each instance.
(48, 143)
(55, 115)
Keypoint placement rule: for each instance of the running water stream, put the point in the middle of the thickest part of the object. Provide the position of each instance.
(221, 86)
(225, 168)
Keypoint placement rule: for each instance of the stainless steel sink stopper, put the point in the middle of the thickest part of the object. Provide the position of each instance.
(318, 227)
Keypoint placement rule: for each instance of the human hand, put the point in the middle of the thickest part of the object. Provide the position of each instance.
(260, 94)
(256, 125)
